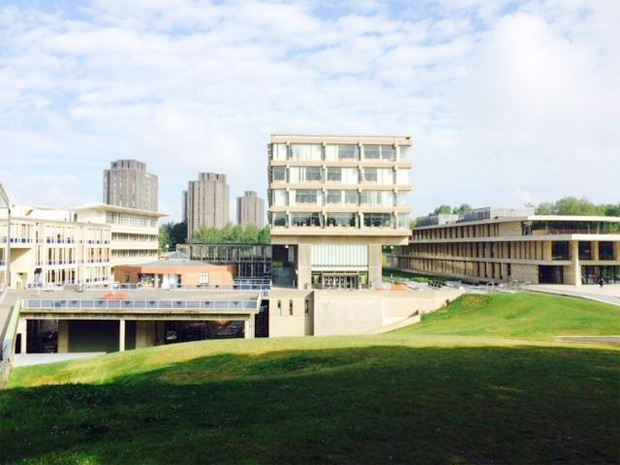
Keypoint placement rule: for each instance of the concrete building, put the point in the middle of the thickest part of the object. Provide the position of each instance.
(501, 245)
(207, 203)
(127, 184)
(184, 207)
(176, 273)
(50, 246)
(250, 210)
(58, 246)
(334, 202)
(134, 233)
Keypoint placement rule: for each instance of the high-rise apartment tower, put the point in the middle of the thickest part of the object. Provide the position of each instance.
(250, 210)
(207, 203)
(127, 184)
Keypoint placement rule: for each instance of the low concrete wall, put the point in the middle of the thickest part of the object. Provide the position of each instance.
(7, 344)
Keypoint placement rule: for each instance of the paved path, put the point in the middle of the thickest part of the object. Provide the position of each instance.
(610, 293)
(24, 360)
(603, 339)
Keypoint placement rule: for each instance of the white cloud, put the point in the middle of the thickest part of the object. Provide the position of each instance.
(505, 101)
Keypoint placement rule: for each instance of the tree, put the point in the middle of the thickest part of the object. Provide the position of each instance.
(412, 224)
(465, 207)
(164, 236)
(443, 210)
(264, 236)
(545, 208)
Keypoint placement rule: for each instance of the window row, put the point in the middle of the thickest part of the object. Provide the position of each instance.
(341, 220)
(301, 174)
(341, 152)
(283, 198)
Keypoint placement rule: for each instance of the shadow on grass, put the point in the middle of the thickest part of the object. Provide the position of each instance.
(361, 405)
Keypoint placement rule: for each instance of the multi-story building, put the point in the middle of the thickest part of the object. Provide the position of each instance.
(127, 184)
(50, 246)
(250, 210)
(207, 203)
(334, 202)
(134, 233)
(498, 245)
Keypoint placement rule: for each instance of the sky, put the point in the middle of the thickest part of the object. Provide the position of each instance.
(507, 102)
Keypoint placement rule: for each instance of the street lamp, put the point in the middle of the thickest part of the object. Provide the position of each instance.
(5, 198)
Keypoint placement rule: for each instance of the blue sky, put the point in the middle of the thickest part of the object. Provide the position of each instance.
(508, 102)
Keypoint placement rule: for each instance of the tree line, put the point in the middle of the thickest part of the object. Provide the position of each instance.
(171, 234)
(564, 206)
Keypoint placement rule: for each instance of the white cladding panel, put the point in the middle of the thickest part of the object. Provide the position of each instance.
(339, 256)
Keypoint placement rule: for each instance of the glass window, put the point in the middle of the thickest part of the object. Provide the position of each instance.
(403, 221)
(305, 219)
(348, 152)
(372, 152)
(385, 176)
(351, 197)
(388, 152)
(306, 152)
(279, 151)
(402, 151)
(279, 173)
(279, 219)
(334, 174)
(377, 198)
(350, 176)
(560, 250)
(334, 197)
(313, 174)
(377, 220)
(585, 250)
(606, 250)
(342, 220)
(402, 199)
(306, 196)
(279, 197)
(369, 175)
(331, 153)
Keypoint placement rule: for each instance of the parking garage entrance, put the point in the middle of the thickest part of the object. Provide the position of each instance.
(188, 331)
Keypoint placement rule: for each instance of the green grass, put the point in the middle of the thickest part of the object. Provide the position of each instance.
(480, 382)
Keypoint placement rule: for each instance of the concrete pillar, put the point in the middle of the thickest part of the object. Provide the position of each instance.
(146, 334)
(374, 264)
(573, 271)
(63, 336)
(22, 328)
(547, 251)
(595, 251)
(304, 266)
(121, 335)
(248, 327)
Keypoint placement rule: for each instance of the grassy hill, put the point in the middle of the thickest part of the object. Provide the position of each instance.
(479, 382)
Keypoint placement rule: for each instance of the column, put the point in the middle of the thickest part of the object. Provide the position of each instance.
(121, 335)
(248, 327)
(573, 271)
(63, 336)
(374, 264)
(22, 328)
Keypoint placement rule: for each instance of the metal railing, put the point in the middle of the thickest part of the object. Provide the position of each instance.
(184, 287)
(135, 304)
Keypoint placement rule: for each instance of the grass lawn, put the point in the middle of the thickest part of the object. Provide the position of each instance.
(480, 382)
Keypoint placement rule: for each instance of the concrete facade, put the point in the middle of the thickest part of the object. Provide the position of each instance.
(347, 312)
(51, 246)
(207, 203)
(173, 273)
(250, 210)
(127, 184)
(536, 249)
(134, 233)
(334, 201)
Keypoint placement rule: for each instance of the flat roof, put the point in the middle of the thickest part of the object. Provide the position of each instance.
(509, 219)
(117, 209)
(346, 138)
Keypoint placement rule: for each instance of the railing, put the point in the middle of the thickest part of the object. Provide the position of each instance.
(45, 286)
(102, 304)
(7, 343)
(185, 287)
